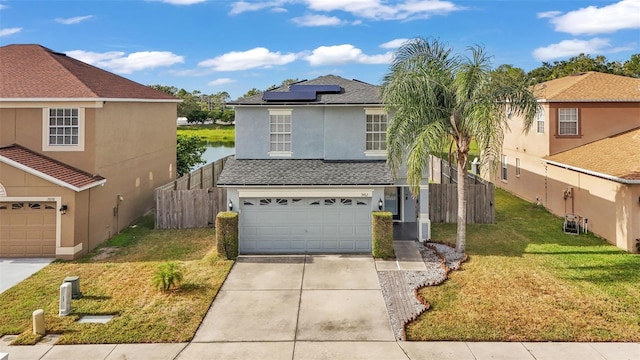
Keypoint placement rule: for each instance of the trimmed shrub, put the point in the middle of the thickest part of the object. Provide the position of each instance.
(382, 234)
(227, 234)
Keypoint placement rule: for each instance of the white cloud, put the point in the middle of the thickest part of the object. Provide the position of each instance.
(74, 20)
(221, 81)
(243, 60)
(9, 31)
(243, 6)
(567, 48)
(117, 61)
(593, 20)
(548, 14)
(376, 10)
(393, 44)
(369, 9)
(343, 54)
(3, 6)
(317, 20)
(182, 2)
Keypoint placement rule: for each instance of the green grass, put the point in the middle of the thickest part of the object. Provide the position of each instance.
(218, 134)
(528, 281)
(121, 284)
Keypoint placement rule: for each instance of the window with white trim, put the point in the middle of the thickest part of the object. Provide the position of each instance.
(568, 121)
(517, 167)
(63, 129)
(540, 121)
(503, 175)
(376, 134)
(280, 132)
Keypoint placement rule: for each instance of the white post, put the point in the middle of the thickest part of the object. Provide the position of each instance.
(65, 299)
(38, 322)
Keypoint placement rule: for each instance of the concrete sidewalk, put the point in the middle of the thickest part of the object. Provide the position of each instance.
(299, 350)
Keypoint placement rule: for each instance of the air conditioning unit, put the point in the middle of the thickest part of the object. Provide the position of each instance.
(65, 299)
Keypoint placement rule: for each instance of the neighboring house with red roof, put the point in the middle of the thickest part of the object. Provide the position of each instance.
(81, 151)
(582, 155)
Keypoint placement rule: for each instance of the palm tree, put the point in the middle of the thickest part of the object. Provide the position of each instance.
(437, 98)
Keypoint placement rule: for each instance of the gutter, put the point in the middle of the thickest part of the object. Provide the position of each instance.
(593, 173)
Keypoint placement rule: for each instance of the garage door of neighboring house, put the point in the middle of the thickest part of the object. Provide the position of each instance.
(27, 229)
(305, 225)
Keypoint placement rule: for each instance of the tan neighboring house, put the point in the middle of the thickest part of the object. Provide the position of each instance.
(81, 151)
(582, 155)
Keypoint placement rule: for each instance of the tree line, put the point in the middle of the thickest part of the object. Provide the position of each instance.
(198, 107)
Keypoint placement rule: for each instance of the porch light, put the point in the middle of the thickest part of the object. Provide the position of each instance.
(380, 204)
(230, 205)
(63, 209)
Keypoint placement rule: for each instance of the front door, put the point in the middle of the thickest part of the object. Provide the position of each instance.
(393, 202)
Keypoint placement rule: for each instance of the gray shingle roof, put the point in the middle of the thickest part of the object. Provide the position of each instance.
(355, 92)
(304, 172)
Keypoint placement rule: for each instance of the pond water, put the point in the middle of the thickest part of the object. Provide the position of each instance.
(216, 151)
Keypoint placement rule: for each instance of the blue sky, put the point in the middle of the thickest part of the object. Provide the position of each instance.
(233, 46)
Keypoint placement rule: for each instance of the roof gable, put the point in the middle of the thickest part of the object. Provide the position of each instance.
(353, 92)
(589, 87)
(35, 72)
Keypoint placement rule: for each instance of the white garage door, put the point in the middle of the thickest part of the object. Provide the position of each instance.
(27, 229)
(305, 225)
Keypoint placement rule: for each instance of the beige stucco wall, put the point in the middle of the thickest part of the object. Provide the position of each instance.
(612, 208)
(135, 151)
(596, 121)
(131, 144)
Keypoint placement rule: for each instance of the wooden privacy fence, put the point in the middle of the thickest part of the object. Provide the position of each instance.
(191, 201)
(443, 197)
(443, 203)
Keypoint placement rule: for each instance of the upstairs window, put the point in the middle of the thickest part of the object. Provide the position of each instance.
(63, 129)
(280, 132)
(376, 137)
(540, 121)
(568, 121)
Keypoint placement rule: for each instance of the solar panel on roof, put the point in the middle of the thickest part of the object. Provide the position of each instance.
(289, 96)
(326, 89)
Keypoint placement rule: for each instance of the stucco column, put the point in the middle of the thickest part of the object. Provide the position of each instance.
(424, 223)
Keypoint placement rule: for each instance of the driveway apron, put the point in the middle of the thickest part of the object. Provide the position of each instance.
(297, 306)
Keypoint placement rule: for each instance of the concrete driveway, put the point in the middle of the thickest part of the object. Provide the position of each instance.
(14, 270)
(298, 307)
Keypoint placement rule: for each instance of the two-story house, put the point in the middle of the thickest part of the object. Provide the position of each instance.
(81, 151)
(582, 155)
(310, 167)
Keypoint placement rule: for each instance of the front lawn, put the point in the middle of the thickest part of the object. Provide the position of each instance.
(219, 134)
(526, 280)
(121, 284)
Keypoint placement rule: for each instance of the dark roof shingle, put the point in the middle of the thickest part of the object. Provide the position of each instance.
(354, 92)
(77, 179)
(33, 71)
(304, 172)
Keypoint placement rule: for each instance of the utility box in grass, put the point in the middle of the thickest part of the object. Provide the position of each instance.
(227, 234)
(382, 234)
